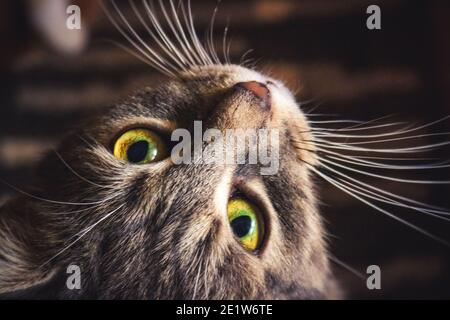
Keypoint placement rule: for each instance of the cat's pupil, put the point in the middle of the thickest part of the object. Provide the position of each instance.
(241, 226)
(137, 152)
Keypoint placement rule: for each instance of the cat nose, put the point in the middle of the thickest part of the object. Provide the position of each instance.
(259, 90)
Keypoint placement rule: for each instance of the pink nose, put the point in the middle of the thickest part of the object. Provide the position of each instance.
(259, 90)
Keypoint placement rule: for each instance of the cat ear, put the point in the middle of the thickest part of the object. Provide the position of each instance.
(21, 274)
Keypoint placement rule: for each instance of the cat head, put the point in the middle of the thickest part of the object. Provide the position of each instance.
(112, 201)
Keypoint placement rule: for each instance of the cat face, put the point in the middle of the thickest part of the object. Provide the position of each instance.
(157, 230)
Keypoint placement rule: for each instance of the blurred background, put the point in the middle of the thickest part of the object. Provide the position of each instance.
(51, 76)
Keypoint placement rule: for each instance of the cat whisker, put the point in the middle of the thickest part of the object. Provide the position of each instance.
(82, 234)
(77, 174)
(205, 279)
(325, 131)
(360, 159)
(154, 37)
(366, 187)
(82, 231)
(366, 123)
(242, 60)
(391, 140)
(195, 56)
(148, 48)
(356, 123)
(318, 115)
(353, 128)
(378, 165)
(393, 158)
(229, 49)
(347, 267)
(335, 121)
(47, 200)
(66, 213)
(145, 56)
(186, 54)
(433, 209)
(190, 21)
(179, 57)
(199, 270)
(408, 150)
(210, 36)
(351, 192)
(197, 48)
(141, 58)
(181, 64)
(226, 55)
(374, 196)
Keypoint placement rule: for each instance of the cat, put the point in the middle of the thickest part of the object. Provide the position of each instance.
(111, 201)
(166, 233)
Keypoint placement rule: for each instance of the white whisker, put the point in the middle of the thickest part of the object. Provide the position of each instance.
(377, 197)
(342, 146)
(195, 59)
(352, 128)
(360, 160)
(393, 139)
(155, 38)
(378, 165)
(389, 214)
(82, 234)
(189, 21)
(427, 206)
(404, 131)
(347, 267)
(148, 59)
(384, 177)
(180, 59)
(48, 200)
(210, 36)
(436, 209)
(242, 60)
(226, 55)
(77, 174)
(184, 51)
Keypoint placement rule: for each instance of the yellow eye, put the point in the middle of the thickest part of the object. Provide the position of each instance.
(246, 223)
(140, 146)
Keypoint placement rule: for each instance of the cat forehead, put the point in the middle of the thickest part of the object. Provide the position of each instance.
(223, 74)
(182, 97)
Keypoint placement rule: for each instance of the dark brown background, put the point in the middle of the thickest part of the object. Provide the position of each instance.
(322, 50)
